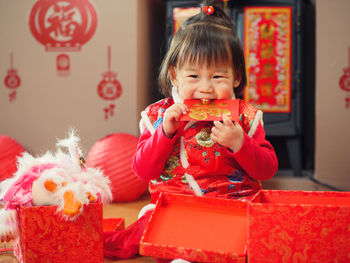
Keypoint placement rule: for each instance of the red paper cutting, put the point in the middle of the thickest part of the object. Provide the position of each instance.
(211, 111)
(109, 88)
(63, 25)
(344, 83)
(12, 80)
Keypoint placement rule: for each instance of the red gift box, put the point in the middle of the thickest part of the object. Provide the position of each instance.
(299, 226)
(275, 226)
(196, 229)
(46, 237)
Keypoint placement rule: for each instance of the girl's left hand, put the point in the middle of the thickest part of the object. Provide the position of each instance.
(228, 133)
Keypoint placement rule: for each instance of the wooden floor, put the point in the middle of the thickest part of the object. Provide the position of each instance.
(284, 180)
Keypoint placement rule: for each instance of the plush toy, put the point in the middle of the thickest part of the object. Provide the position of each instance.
(53, 179)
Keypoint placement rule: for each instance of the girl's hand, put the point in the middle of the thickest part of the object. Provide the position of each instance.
(227, 133)
(172, 117)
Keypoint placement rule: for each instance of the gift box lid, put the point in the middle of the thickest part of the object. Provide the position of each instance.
(201, 229)
(301, 198)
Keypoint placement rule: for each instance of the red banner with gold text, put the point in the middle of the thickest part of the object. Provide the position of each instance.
(267, 47)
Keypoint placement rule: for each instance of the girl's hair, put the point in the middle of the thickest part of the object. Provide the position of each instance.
(205, 39)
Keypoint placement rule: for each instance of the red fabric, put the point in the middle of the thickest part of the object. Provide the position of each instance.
(218, 171)
(299, 226)
(125, 243)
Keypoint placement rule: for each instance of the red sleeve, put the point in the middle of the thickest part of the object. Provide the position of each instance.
(257, 156)
(151, 153)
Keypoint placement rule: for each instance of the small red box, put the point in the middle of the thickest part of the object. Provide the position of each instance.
(46, 237)
(299, 226)
(198, 229)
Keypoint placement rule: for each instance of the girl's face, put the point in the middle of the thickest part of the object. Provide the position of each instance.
(195, 81)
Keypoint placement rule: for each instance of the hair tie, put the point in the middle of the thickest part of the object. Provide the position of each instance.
(208, 9)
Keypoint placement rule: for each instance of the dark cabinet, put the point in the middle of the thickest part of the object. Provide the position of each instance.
(288, 126)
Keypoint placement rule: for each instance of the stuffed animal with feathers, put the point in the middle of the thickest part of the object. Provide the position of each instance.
(53, 179)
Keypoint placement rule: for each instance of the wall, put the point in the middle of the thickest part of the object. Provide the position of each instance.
(47, 104)
(332, 162)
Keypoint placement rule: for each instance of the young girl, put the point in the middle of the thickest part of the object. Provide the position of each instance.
(219, 159)
(222, 159)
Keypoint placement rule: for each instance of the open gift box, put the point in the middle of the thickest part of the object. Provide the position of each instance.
(46, 237)
(276, 226)
(199, 229)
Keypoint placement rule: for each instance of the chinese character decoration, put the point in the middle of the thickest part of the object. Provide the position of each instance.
(267, 47)
(344, 83)
(109, 88)
(63, 25)
(212, 110)
(12, 80)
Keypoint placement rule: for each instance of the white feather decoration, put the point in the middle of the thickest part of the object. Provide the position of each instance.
(56, 179)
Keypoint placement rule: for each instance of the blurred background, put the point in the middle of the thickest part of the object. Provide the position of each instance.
(93, 64)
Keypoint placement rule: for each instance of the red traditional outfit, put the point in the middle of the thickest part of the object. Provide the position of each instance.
(217, 170)
(191, 163)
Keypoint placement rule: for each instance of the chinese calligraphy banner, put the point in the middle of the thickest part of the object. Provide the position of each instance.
(267, 47)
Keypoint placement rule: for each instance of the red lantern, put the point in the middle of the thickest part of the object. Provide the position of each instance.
(113, 155)
(9, 151)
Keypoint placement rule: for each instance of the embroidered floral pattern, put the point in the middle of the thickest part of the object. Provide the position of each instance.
(209, 163)
(203, 138)
(170, 165)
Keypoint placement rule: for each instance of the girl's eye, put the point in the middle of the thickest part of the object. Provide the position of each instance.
(218, 77)
(193, 76)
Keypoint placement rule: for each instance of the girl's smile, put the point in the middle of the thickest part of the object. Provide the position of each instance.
(204, 82)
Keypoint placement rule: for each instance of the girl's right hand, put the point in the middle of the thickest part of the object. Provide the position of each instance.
(171, 121)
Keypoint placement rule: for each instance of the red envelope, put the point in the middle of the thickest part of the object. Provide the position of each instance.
(211, 110)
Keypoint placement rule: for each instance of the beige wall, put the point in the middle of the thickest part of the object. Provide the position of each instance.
(332, 159)
(48, 105)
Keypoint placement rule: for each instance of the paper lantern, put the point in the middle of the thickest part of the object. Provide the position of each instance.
(113, 155)
(9, 151)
